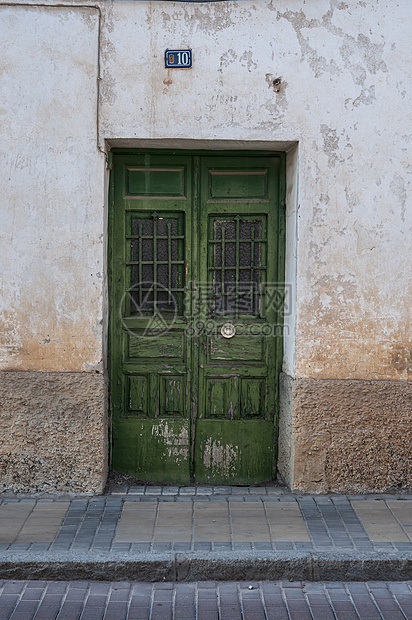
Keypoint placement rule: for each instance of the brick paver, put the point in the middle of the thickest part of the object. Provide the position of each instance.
(277, 600)
(43, 523)
(205, 531)
(187, 519)
(379, 521)
(286, 522)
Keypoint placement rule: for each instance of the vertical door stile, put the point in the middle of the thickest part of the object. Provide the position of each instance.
(281, 264)
(194, 296)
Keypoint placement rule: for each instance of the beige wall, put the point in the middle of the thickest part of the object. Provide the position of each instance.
(53, 424)
(343, 96)
(52, 188)
(342, 110)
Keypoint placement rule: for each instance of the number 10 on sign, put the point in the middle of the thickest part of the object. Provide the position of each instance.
(178, 59)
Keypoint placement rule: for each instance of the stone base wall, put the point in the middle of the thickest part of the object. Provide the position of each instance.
(53, 432)
(345, 436)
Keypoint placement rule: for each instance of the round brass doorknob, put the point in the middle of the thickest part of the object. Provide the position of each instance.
(228, 330)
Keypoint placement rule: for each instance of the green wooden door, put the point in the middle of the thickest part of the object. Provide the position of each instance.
(234, 434)
(196, 260)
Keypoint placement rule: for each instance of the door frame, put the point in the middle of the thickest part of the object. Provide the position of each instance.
(280, 268)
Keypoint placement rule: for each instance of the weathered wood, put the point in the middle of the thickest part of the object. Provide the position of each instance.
(181, 393)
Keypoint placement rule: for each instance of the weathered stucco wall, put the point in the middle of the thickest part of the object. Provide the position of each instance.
(342, 96)
(52, 191)
(53, 430)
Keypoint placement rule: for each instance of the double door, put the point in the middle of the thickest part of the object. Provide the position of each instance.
(195, 315)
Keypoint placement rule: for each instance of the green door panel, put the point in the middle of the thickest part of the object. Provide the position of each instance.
(152, 449)
(237, 377)
(196, 243)
(150, 354)
(241, 453)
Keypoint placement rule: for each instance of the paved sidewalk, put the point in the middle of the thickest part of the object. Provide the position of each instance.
(197, 533)
(42, 600)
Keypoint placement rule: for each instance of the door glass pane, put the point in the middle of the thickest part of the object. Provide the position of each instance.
(157, 266)
(237, 266)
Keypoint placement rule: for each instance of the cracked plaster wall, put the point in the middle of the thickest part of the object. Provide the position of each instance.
(341, 92)
(52, 190)
(53, 427)
(343, 95)
(334, 77)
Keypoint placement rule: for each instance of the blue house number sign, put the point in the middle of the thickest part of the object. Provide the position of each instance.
(178, 59)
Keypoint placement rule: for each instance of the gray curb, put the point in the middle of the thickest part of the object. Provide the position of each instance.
(240, 566)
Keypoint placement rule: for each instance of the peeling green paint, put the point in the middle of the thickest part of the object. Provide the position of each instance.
(188, 404)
